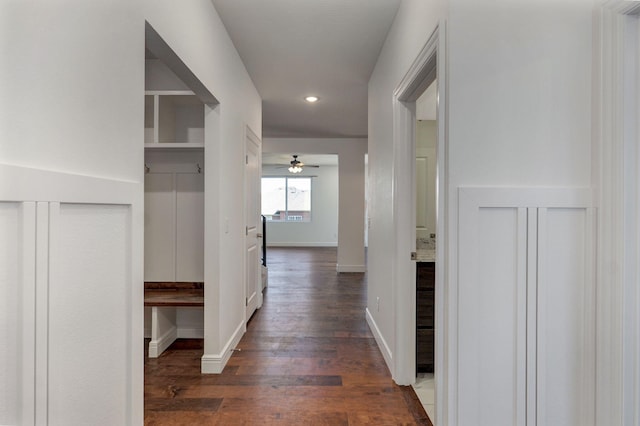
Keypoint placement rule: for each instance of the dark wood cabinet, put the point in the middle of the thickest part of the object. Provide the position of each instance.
(425, 321)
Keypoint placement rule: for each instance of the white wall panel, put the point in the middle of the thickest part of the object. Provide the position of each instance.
(159, 227)
(566, 395)
(526, 307)
(492, 317)
(89, 315)
(190, 227)
(9, 313)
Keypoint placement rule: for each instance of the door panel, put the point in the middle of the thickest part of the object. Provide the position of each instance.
(253, 289)
(492, 298)
(565, 319)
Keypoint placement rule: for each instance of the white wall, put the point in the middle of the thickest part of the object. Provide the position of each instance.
(413, 25)
(322, 231)
(519, 105)
(71, 110)
(198, 37)
(351, 197)
(71, 156)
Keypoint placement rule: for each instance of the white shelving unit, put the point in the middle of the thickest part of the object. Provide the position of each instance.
(173, 119)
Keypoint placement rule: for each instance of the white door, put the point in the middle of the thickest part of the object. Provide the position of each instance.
(253, 287)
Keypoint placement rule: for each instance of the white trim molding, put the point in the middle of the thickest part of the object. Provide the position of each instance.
(419, 76)
(159, 345)
(215, 363)
(616, 167)
(382, 343)
(350, 268)
(430, 64)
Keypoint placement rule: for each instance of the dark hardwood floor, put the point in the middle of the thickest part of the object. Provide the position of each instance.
(308, 358)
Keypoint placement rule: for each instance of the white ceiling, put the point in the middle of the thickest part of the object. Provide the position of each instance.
(296, 48)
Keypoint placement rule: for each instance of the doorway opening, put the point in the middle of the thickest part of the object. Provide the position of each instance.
(427, 70)
(425, 235)
(301, 208)
(177, 106)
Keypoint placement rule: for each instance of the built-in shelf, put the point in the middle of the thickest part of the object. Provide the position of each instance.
(173, 119)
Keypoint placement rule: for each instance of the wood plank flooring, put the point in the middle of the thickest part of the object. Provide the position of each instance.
(308, 358)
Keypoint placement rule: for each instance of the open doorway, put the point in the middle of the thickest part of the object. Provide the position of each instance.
(177, 106)
(301, 207)
(428, 68)
(426, 137)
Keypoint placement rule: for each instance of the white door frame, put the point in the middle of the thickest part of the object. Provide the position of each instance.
(429, 64)
(616, 169)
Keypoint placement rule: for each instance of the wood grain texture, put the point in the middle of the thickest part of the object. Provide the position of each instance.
(308, 357)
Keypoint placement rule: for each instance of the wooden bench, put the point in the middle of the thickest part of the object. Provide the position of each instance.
(164, 298)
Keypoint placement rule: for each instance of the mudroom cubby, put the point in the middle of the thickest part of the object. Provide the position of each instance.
(173, 239)
(173, 118)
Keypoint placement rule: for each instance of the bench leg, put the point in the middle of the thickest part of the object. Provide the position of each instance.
(163, 329)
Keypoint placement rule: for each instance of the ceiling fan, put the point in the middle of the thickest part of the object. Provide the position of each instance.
(296, 165)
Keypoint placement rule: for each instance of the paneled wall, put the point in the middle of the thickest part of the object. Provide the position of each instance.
(10, 234)
(526, 307)
(70, 299)
(87, 284)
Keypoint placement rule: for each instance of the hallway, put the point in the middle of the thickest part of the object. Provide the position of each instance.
(308, 357)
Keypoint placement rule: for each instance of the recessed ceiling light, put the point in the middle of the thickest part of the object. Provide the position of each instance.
(311, 99)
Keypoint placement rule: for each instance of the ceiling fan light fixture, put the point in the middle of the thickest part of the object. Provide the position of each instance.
(311, 99)
(295, 169)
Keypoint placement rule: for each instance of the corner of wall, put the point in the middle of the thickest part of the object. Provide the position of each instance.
(215, 363)
(382, 343)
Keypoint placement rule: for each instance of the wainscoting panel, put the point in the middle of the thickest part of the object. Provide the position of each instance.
(492, 303)
(566, 318)
(10, 303)
(89, 314)
(525, 328)
(71, 299)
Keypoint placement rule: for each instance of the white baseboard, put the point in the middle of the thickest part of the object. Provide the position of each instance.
(214, 363)
(305, 244)
(156, 347)
(351, 268)
(190, 333)
(382, 344)
(182, 333)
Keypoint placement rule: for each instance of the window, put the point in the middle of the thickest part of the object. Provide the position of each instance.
(286, 199)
